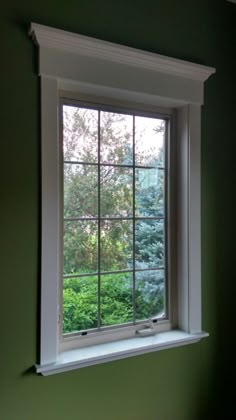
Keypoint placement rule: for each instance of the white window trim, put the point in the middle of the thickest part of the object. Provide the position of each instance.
(76, 63)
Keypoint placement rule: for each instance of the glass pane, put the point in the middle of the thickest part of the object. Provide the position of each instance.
(80, 247)
(80, 190)
(149, 141)
(116, 299)
(80, 134)
(80, 304)
(149, 244)
(149, 294)
(149, 192)
(116, 191)
(116, 138)
(116, 245)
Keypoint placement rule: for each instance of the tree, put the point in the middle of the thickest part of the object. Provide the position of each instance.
(81, 184)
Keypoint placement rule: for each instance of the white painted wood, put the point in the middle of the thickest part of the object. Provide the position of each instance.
(138, 97)
(68, 42)
(114, 76)
(189, 218)
(50, 220)
(74, 63)
(89, 93)
(183, 217)
(194, 209)
(88, 356)
(108, 336)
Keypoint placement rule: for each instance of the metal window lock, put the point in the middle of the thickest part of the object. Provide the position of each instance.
(146, 330)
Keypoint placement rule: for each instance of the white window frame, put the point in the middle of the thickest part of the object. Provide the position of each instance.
(145, 327)
(75, 63)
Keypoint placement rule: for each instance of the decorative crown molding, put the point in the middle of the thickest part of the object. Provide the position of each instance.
(48, 37)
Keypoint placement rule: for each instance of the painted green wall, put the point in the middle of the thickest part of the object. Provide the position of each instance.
(187, 383)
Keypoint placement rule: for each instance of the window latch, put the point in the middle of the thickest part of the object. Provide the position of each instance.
(146, 329)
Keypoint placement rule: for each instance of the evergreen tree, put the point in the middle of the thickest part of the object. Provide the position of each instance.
(116, 192)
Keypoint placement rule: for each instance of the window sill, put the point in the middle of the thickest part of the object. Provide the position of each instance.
(101, 353)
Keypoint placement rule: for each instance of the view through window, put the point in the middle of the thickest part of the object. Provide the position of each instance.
(114, 241)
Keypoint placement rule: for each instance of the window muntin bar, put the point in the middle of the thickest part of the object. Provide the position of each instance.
(111, 272)
(76, 162)
(99, 220)
(71, 219)
(134, 205)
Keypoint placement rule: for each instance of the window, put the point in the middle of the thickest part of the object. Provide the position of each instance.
(115, 261)
(117, 93)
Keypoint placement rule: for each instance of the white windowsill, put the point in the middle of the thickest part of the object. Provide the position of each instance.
(87, 356)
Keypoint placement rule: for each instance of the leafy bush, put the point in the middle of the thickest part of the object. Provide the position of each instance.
(80, 308)
(80, 295)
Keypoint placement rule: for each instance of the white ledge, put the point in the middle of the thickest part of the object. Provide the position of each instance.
(87, 356)
(51, 38)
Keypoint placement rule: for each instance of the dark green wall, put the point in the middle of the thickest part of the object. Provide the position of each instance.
(187, 383)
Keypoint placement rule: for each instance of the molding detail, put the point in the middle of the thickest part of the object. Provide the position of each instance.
(51, 38)
(103, 353)
(80, 65)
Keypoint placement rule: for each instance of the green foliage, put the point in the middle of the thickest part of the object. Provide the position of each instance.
(80, 247)
(149, 294)
(80, 295)
(79, 304)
